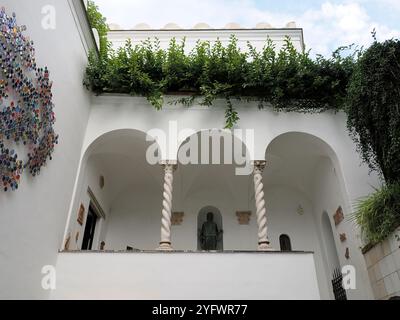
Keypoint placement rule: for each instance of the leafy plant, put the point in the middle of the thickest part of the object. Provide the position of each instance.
(98, 22)
(287, 80)
(373, 108)
(379, 214)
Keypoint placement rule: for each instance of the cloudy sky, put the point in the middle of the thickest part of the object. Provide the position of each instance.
(327, 24)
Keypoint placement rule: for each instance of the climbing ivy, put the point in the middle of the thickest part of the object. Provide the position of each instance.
(98, 22)
(287, 79)
(373, 108)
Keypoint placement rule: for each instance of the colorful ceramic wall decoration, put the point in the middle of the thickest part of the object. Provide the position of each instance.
(26, 107)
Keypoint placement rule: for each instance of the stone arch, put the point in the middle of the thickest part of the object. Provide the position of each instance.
(226, 169)
(235, 138)
(312, 144)
(312, 139)
(112, 135)
(119, 151)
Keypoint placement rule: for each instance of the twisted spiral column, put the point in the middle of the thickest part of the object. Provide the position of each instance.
(165, 243)
(263, 242)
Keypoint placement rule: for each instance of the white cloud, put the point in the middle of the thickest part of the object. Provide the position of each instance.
(393, 4)
(325, 28)
(333, 25)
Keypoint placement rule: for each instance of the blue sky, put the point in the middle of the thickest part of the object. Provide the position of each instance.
(327, 24)
(381, 11)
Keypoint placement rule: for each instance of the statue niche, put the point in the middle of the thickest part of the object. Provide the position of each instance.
(210, 230)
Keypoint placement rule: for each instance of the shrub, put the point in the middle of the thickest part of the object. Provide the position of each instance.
(379, 214)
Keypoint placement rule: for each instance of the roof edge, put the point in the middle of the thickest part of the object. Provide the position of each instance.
(82, 18)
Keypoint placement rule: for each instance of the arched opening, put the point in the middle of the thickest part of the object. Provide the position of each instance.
(210, 230)
(302, 179)
(212, 177)
(285, 243)
(116, 176)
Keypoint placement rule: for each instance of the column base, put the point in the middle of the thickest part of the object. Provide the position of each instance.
(264, 246)
(165, 246)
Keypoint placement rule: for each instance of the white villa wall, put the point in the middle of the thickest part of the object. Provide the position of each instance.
(257, 37)
(32, 219)
(183, 276)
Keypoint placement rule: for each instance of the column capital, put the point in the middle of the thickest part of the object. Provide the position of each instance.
(169, 164)
(259, 165)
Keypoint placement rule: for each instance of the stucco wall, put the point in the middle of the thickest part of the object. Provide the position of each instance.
(182, 276)
(258, 37)
(32, 220)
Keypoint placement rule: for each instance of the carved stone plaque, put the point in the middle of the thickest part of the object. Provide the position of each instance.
(67, 242)
(338, 217)
(81, 214)
(243, 217)
(177, 218)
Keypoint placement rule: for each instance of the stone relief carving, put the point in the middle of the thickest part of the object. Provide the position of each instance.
(177, 218)
(243, 217)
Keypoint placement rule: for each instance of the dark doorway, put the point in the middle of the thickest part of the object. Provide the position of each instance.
(285, 243)
(90, 228)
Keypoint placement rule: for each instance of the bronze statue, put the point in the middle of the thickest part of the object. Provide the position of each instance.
(209, 234)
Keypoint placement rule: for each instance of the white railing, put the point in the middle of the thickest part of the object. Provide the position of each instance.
(186, 275)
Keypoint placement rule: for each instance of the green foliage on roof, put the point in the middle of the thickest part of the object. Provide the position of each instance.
(287, 79)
